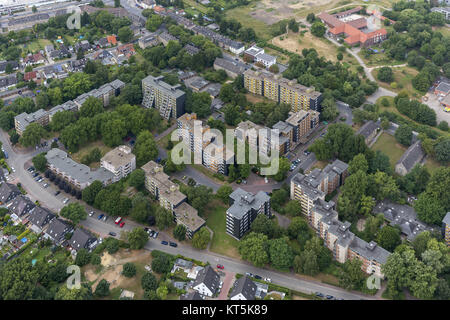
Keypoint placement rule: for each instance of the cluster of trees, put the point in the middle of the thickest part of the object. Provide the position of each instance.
(414, 40)
(198, 196)
(432, 204)
(415, 110)
(332, 79)
(282, 27)
(361, 188)
(422, 267)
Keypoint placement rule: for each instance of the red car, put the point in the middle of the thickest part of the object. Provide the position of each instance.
(118, 220)
(220, 266)
(122, 224)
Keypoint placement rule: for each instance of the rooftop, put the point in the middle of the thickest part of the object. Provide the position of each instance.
(188, 216)
(119, 156)
(412, 156)
(163, 86)
(245, 201)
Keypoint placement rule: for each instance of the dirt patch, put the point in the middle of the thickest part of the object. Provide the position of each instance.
(360, 224)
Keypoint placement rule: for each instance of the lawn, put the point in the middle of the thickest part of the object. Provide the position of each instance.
(242, 15)
(379, 59)
(432, 165)
(295, 43)
(77, 156)
(403, 78)
(36, 45)
(388, 145)
(221, 243)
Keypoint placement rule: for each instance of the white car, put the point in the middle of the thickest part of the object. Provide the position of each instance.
(65, 200)
(268, 280)
(266, 180)
(91, 213)
(12, 169)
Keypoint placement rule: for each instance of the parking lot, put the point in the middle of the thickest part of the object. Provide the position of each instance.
(434, 102)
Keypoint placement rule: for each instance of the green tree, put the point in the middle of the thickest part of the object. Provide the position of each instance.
(179, 232)
(201, 238)
(125, 34)
(129, 270)
(137, 179)
(281, 255)
(223, 193)
(18, 278)
(91, 107)
(40, 162)
(164, 218)
(32, 135)
(318, 29)
(359, 162)
(83, 257)
(149, 281)
(145, 149)
(351, 276)
(253, 248)
(89, 193)
(102, 289)
(389, 238)
(161, 264)
(385, 74)
(293, 208)
(137, 238)
(74, 211)
(404, 135)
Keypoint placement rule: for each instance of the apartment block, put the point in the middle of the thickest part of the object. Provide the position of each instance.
(249, 132)
(187, 216)
(446, 224)
(22, 120)
(305, 192)
(243, 210)
(285, 137)
(103, 93)
(281, 90)
(169, 100)
(120, 161)
(170, 198)
(342, 242)
(217, 157)
(159, 184)
(186, 124)
(78, 175)
(303, 123)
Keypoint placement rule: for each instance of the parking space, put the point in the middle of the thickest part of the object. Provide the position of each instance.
(434, 102)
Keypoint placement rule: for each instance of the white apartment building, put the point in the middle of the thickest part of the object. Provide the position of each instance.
(120, 161)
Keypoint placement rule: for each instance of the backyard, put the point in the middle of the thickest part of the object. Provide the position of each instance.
(221, 243)
(388, 145)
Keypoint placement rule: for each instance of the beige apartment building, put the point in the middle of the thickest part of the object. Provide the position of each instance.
(120, 161)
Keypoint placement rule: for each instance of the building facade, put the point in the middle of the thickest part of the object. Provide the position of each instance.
(120, 161)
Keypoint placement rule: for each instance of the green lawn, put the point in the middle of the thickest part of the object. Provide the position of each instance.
(241, 14)
(403, 77)
(387, 144)
(221, 243)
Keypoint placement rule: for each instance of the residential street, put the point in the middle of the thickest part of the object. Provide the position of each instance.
(47, 199)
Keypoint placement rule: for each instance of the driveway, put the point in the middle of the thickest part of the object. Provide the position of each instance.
(228, 281)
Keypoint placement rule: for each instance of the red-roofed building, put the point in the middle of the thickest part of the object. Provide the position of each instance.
(34, 59)
(352, 29)
(126, 49)
(158, 9)
(112, 40)
(30, 75)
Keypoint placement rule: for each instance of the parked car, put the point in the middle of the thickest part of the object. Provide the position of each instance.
(35, 174)
(147, 230)
(251, 275)
(100, 216)
(45, 185)
(320, 295)
(173, 244)
(151, 233)
(257, 277)
(155, 235)
(219, 266)
(100, 240)
(91, 213)
(57, 192)
(113, 234)
(268, 280)
(118, 220)
(329, 297)
(105, 218)
(122, 224)
(65, 200)
(12, 169)
(164, 243)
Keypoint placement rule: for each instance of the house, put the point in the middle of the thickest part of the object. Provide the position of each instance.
(165, 37)
(112, 40)
(266, 60)
(207, 282)
(84, 45)
(213, 89)
(33, 59)
(3, 64)
(442, 89)
(261, 290)
(369, 131)
(194, 295)
(148, 41)
(57, 229)
(232, 68)
(106, 57)
(21, 206)
(412, 156)
(243, 289)
(102, 43)
(39, 217)
(190, 49)
(182, 264)
(8, 192)
(8, 82)
(198, 84)
(82, 239)
(444, 10)
(126, 49)
(77, 65)
(28, 76)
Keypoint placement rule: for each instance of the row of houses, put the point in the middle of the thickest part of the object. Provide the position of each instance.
(42, 221)
(43, 117)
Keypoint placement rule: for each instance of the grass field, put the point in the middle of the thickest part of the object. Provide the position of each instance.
(36, 45)
(241, 14)
(379, 59)
(221, 243)
(388, 145)
(403, 78)
(88, 148)
(296, 43)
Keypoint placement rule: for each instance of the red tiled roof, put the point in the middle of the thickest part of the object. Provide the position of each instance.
(29, 75)
(358, 23)
(112, 39)
(159, 9)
